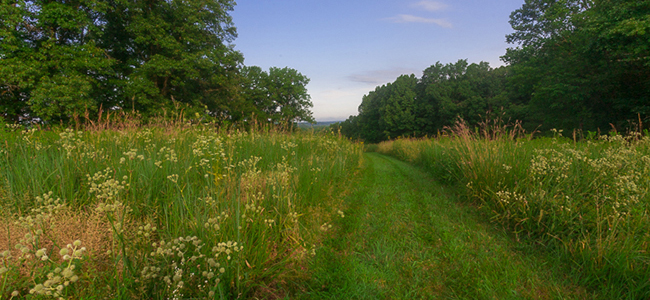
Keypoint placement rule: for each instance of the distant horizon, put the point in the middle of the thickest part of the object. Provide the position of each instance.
(349, 48)
(321, 121)
(330, 120)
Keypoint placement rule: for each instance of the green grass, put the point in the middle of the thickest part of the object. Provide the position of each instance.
(164, 212)
(182, 211)
(583, 205)
(404, 236)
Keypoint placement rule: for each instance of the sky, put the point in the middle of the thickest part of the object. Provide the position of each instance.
(348, 47)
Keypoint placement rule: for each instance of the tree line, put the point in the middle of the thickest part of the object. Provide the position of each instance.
(61, 59)
(575, 64)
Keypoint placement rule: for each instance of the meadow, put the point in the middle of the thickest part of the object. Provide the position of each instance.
(582, 205)
(167, 212)
(179, 210)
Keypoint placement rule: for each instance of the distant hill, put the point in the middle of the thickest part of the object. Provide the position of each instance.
(317, 125)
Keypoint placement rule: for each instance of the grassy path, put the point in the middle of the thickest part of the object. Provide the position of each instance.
(405, 237)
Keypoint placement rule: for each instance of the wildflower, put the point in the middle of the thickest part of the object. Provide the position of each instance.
(325, 226)
(173, 178)
(40, 252)
(67, 273)
(212, 263)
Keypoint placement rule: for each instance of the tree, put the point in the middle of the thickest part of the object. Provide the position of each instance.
(288, 96)
(254, 88)
(417, 107)
(398, 107)
(279, 96)
(50, 64)
(580, 64)
(370, 127)
(619, 43)
(174, 51)
(62, 58)
(469, 91)
(539, 21)
(349, 127)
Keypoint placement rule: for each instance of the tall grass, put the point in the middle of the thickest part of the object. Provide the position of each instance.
(165, 211)
(584, 202)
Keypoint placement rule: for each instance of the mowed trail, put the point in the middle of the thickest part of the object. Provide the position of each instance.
(404, 236)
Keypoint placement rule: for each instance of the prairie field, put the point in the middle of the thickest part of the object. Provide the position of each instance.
(169, 212)
(186, 211)
(584, 205)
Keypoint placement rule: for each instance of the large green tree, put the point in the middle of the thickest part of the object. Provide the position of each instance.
(580, 64)
(619, 44)
(50, 63)
(278, 96)
(398, 107)
(61, 58)
(174, 51)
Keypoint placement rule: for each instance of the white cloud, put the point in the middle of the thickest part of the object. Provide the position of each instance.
(430, 5)
(416, 19)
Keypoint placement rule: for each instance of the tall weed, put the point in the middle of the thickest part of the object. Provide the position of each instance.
(587, 201)
(166, 211)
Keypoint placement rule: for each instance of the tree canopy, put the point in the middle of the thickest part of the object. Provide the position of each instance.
(588, 68)
(61, 59)
(279, 96)
(418, 107)
(575, 64)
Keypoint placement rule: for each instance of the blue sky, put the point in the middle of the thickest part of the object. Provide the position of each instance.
(348, 47)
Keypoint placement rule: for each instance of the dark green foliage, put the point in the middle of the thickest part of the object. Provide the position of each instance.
(63, 59)
(279, 96)
(51, 63)
(457, 90)
(397, 111)
(180, 53)
(579, 64)
(418, 107)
